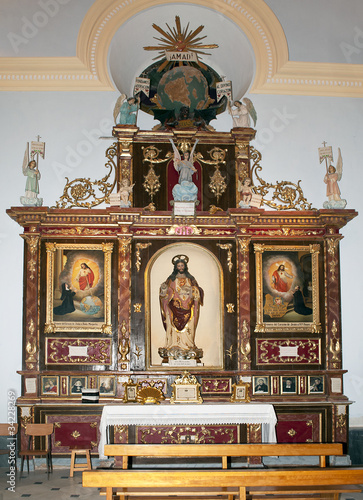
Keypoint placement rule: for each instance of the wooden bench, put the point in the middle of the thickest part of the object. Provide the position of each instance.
(322, 450)
(252, 482)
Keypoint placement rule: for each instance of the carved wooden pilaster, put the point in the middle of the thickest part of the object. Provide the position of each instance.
(31, 319)
(340, 423)
(244, 340)
(125, 136)
(333, 319)
(124, 303)
(254, 435)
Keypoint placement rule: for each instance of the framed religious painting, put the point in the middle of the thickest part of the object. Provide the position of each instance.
(260, 385)
(287, 288)
(50, 386)
(131, 388)
(241, 392)
(316, 384)
(107, 385)
(76, 384)
(289, 385)
(78, 287)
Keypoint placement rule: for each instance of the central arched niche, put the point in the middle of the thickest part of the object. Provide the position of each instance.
(207, 270)
(234, 58)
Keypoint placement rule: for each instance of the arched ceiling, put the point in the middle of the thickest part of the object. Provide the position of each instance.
(250, 35)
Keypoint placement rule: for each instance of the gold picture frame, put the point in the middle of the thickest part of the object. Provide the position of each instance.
(186, 389)
(78, 287)
(241, 392)
(287, 288)
(131, 388)
(50, 385)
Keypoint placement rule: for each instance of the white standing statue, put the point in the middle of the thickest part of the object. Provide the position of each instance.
(185, 190)
(125, 193)
(32, 174)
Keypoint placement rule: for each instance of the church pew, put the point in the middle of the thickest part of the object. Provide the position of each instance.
(322, 450)
(245, 481)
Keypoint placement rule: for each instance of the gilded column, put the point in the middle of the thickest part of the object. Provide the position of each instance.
(125, 136)
(31, 298)
(124, 301)
(332, 319)
(244, 319)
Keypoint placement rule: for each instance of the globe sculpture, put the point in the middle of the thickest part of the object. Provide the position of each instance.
(183, 86)
(182, 94)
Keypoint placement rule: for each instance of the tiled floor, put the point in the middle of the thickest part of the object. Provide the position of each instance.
(35, 485)
(60, 486)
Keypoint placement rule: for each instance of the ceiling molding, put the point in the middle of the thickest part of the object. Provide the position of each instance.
(275, 74)
(47, 73)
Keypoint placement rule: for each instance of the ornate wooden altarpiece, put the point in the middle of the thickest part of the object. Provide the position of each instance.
(245, 329)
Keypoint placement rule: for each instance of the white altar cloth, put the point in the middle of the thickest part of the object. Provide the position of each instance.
(189, 414)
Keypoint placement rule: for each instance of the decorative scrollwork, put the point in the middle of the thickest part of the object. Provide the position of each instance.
(217, 183)
(334, 345)
(286, 195)
(227, 246)
(82, 193)
(152, 183)
(139, 247)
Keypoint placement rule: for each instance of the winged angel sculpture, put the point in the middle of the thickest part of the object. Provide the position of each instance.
(242, 112)
(332, 176)
(125, 110)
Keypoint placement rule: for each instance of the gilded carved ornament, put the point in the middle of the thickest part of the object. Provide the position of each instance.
(139, 247)
(137, 352)
(230, 353)
(334, 346)
(124, 343)
(217, 184)
(152, 181)
(32, 242)
(230, 308)
(244, 244)
(31, 347)
(332, 246)
(285, 195)
(84, 193)
(227, 246)
(245, 343)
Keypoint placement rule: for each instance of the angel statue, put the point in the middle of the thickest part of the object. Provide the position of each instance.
(242, 113)
(185, 190)
(32, 174)
(332, 176)
(125, 110)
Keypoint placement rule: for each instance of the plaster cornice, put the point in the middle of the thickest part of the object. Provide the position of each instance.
(275, 74)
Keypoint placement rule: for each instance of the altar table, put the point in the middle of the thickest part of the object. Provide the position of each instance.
(187, 414)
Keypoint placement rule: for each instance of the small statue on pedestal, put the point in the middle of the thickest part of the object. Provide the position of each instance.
(242, 113)
(125, 111)
(125, 192)
(31, 172)
(185, 190)
(331, 178)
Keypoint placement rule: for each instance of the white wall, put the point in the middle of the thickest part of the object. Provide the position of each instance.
(290, 129)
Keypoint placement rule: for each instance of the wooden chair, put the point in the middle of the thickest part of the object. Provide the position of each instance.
(10, 431)
(36, 432)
